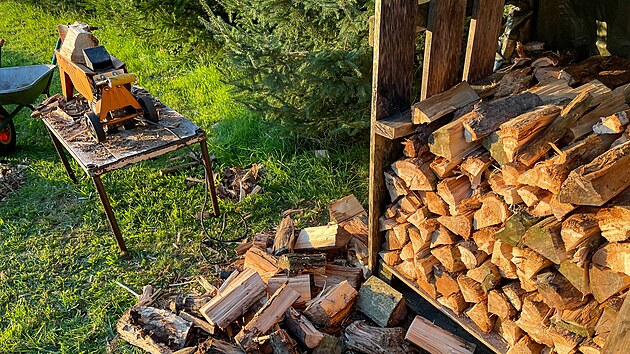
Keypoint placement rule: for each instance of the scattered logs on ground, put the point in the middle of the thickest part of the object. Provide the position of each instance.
(516, 213)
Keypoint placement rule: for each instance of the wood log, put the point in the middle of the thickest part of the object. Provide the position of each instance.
(582, 254)
(544, 238)
(543, 208)
(493, 211)
(407, 253)
(197, 322)
(487, 274)
(538, 147)
(428, 336)
(441, 104)
(488, 116)
(588, 346)
(416, 173)
(395, 186)
(584, 125)
(614, 219)
(450, 258)
(500, 305)
(436, 204)
(479, 314)
(447, 141)
(454, 191)
(262, 262)
(390, 258)
(579, 228)
(514, 82)
(471, 290)
(455, 303)
(418, 241)
(235, 299)
(529, 262)
(391, 242)
(415, 146)
(428, 286)
(509, 193)
(330, 344)
(526, 345)
(535, 330)
(444, 168)
(362, 338)
(418, 217)
(424, 265)
(517, 132)
(532, 195)
(560, 210)
(515, 227)
(188, 303)
(322, 238)
(557, 292)
(612, 124)
(298, 263)
(470, 254)
(299, 283)
(511, 173)
(442, 236)
(335, 274)
(302, 329)
(474, 167)
(581, 320)
(514, 294)
(345, 209)
(217, 346)
(615, 256)
(484, 239)
(331, 306)
(598, 181)
(494, 145)
(577, 275)
(535, 310)
(265, 318)
(550, 174)
(154, 330)
(565, 342)
(281, 343)
(502, 258)
(401, 232)
(509, 331)
(445, 282)
(609, 315)
(408, 269)
(381, 303)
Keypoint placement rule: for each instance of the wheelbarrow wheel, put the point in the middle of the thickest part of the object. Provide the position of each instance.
(148, 109)
(96, 128)
(7, 138)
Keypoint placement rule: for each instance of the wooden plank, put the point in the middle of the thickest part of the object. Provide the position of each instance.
(443, 46)
(619, 337)
(483, 35)
(392, 80)
(491, 340)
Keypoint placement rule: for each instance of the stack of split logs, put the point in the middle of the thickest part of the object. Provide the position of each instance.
(293, 292)
(511, 204)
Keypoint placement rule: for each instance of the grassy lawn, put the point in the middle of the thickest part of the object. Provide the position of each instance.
(58, 260)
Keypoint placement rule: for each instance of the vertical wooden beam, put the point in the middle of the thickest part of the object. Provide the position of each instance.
(619, 337)
(443, 46)
(483, 38)
(394, 44)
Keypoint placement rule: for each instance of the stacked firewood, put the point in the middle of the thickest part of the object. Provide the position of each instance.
(514, 210)
(292, 292)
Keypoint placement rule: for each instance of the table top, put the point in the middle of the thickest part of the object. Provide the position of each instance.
(125, 147)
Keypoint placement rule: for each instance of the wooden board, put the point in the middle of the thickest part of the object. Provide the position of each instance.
(443, 46)
(485, 24)
(392, 80)
(491, 340)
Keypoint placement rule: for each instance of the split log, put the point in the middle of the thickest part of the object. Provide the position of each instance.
(281, 343)
(484, 239)
(600, 180)
(532, 195)
(454, 191)
(262, 262)
(336, 274)
(445, 282)
(434, 339)
(401, 232)
(500, 305)
(381, 303)
(390, 258)
(470, 254)
(345, 209)
(582, 254)
(419, 243)
(217, 346)
(488, 116)
(581, 320)
(395, 185)
(576, 275)
(474, 167)
(493, 211)
(188, 303)
(450, 258)
(517, 132)
(529, 262)
(235, 299)
(407, 253)
(494, 145)
(526, 346)
(538, 147)
(510, 331)
(442, 236)
(544, 238)
(298, 263)
(502, 258)
(557, 292)
(455, 303)
(424, 265)
(614, 219)
(444, 168)
(441, 104)
(285, 237)
(428, 286)
(419, 216)
(366, 339)
(154, 330)
(534, 329)
(447, 141)
(543, 208)
(415, 146)
(584, 125)
(608, 317)
(514, 294)
(479, 314)
(515, 227)
(487, 274)
(471, 290)
(511, 173)
(299, 283)
(266, 317)
(550, 174)
(322, 238)
(408, 269)
(509, 193)
(391, 242)
(615, 256)
(588, 346)
(302, 328)
(198, 322)
(564, 342)
(330, 344)
(332, 305)
(514, 82)
(416, 174)
(613, 124)
(436, 204)
(579, 228)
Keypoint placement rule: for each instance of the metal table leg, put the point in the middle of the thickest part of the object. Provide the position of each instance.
(62, 156)
(210, 178)
(109, 213)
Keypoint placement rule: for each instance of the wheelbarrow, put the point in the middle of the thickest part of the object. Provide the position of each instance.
(20, 86)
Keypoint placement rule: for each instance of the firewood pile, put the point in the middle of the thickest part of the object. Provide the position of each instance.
(236, 183)
(297, 291)
(511, 204)
(10, 178)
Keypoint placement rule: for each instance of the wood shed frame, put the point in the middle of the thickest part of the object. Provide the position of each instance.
(394, 38)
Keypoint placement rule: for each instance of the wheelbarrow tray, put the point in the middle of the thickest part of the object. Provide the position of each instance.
(22, 85)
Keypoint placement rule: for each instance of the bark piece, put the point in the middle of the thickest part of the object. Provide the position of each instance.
(331, 306)
(330, 344)
(363, 338)
(565, 342)
(154, 330)
(281, 343)
(285, 237)
(217, 346)
(434, 339)
(576, 275)
(441, 104)
(302, 328)
(381, 303)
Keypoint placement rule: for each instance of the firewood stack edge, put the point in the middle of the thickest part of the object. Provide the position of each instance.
(511, 203)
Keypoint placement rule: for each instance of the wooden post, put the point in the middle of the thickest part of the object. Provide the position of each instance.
(392, 80)
(483, 38)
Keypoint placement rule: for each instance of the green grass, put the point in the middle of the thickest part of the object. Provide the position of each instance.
(58, 260)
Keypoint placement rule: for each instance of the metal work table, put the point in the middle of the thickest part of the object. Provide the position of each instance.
(125, 148)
